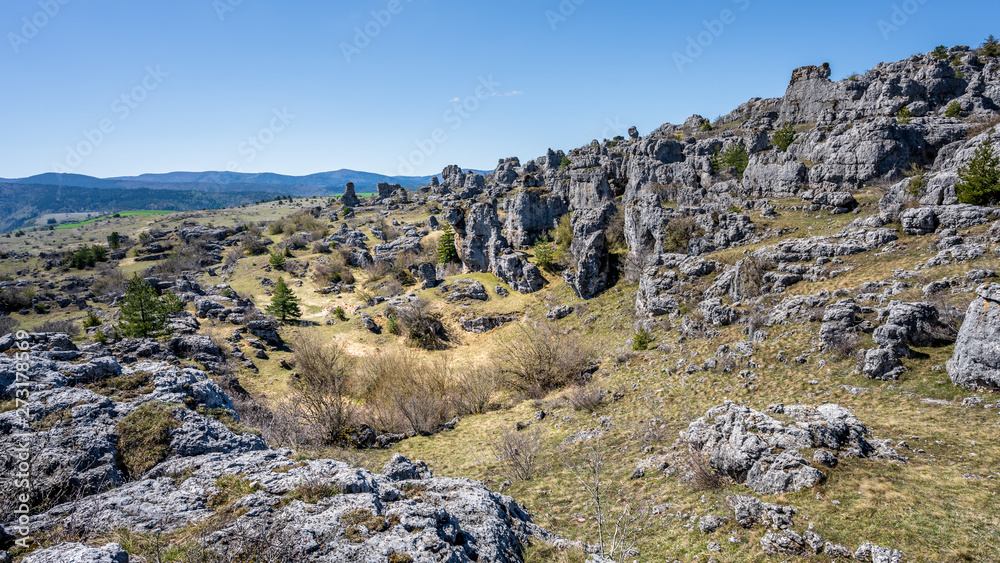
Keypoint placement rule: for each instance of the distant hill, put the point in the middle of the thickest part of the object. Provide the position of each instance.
(20, 203)
(337, 178)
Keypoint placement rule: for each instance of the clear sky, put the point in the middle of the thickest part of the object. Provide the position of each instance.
(122, 87)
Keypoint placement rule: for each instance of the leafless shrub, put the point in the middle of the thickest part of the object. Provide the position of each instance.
(421, 326)
(585, 398)
(298, 241)
(109, 283)
(700, 475)
(951, 316)
(631, 521)
(844, 345)
(232, 257)
(390, 288)
(475, 389)
(69, 327)
(538, 359)
(320, 247)
(335, 270)
(15, 299)
(750, 272)
(678, 234)
(519, 453)
(8, 324)
(402, 393)
(321, 390)
(253, 245)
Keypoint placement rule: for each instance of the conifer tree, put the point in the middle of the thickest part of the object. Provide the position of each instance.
(143, 313)
(446, 251)
(979, 180)
(284, 303)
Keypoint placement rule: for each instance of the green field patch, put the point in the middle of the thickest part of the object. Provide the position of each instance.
(109, 216)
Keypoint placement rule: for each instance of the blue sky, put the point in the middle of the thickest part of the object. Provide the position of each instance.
(122, 87)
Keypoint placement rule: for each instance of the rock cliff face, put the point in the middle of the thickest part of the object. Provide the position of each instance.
(241, 495)
(849, 134)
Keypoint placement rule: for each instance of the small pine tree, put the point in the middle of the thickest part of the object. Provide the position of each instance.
(940, 52)
(954, 110)
(143, 313)
(284, 303)
(287, 253)
(91, 321)
(905, 115)
(733, 156)
(979, 180)
(642, 340)
(545, 254)
(277, 260)
(784, 137)
(990, 47)
(446, 251)
(114, 240)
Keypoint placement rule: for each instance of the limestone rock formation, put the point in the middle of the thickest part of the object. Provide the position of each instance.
(976, 362)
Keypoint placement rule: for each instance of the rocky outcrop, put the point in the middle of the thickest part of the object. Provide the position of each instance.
(74, 408)
(350, 199)
(317, 510)
(763, 452)
(976, 361)
(483, 248)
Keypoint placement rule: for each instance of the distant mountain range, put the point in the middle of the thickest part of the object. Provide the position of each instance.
(24, 199)
(324, 183)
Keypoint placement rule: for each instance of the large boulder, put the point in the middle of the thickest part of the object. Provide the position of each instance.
(976, 362)
(761, 451)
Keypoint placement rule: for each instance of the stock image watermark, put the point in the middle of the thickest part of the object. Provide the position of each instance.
(713, 30)
(259, 141)
(459, 111)
(21, 453)
(613, 128)
(122, 108)
(901, 14)
(225, 7)
(562, 13)
(365, 34)
(32, 25)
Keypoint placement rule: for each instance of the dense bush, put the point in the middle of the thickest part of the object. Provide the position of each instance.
(284, 303)
(905, 115)
(545, 254)
(784, 137)
(87, 256)
(642, 340)
(734, 156)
